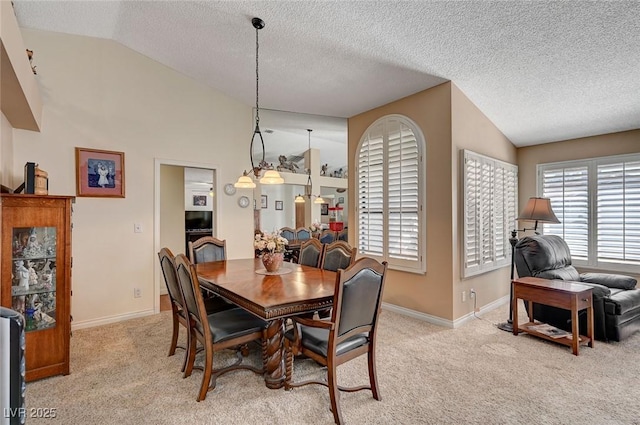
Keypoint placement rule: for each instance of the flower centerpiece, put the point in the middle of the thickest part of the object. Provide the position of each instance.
(315, 227)
(271, 247)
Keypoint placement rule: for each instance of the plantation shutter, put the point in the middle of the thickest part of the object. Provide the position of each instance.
(618, 212)
(370, 193)
(490, 203)
(472, 198)
(568, 189)
(390, 192)
(486, 212)
(402, 191)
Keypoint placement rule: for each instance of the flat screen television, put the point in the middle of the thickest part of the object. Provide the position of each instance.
(198, 220)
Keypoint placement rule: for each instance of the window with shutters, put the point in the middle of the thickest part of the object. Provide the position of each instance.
(390, 193)
(598, 204)
(489, 212)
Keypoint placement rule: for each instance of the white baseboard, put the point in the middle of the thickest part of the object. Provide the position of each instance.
(418, 315)
(439, 320)
(111, 319)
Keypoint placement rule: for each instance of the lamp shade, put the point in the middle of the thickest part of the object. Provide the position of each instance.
(319, 200)
(271, 177)
(538, 209)
(244, 182)
(299, 199)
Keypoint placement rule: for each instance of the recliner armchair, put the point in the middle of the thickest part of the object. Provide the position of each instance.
(616, 302)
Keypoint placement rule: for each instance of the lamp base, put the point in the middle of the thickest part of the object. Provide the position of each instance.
(506, 326)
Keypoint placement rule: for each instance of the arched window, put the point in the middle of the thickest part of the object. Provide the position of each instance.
(390, 193)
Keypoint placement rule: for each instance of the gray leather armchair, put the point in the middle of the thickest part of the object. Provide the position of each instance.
(616, 301)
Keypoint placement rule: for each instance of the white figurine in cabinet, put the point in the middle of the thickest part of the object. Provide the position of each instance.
(23, 275)
(33, 276)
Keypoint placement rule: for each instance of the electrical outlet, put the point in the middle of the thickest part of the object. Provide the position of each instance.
(137, 292)
(472, 293)
(464, 296)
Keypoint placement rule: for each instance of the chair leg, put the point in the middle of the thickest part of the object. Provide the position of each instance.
(174, 337)
(373, 376)
(206, 375)
(334, 393)
(190, 358)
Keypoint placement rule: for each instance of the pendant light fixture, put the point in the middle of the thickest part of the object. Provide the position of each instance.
(271, 176)
(308, 187)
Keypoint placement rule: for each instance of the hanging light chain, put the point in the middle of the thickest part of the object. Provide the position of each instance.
(257, 79)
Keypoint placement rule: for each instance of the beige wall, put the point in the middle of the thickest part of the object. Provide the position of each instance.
(6, 152)
(99, 94)
(431, 111)
(587, 147)
(472, 130)
(21, 101)
(171, 212)
(450, 123)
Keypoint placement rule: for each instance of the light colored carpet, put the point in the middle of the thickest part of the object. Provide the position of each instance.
(476, 374)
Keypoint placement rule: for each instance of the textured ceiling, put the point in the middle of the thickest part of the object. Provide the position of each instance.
(540, 70)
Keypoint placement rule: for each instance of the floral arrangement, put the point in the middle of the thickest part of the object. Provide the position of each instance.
(315, 226)
(269, 242)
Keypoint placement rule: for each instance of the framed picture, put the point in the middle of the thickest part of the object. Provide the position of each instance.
(263, 201)
(99, 173)
(199, 200)
(279, 206)
(341, 200)
(324, 209)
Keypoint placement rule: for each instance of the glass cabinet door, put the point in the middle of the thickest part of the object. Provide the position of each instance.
(33, 284)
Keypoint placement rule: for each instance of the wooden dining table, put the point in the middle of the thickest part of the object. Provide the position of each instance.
(297, 290)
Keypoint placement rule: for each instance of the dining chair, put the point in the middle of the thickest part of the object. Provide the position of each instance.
(302, 233)
(343, 235)
(288, 233)
(310, 253)
(207, 248)
(327, 236)
(338, 255)
(349, 333)
(178, 311)
(202, 250)
(216, 331)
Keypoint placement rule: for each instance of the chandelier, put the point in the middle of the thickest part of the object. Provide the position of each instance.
(307, 189)
(271, 176)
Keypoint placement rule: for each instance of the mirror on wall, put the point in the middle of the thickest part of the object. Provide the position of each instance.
(286, 146)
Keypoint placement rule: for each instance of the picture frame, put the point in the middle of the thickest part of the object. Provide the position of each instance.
(263, 201)
(99, 173)
(279, 206)
(324, 209)
(341, 200)
(199, 200)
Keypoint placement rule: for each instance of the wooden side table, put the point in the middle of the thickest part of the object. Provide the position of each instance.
(556, 293)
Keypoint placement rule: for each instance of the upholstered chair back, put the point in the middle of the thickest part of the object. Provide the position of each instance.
(360, 296)
(191, 298)
(338, 255)
(302, 233)
(168, 266)
(207, 249)
(310, 253)
(544, 256)
(288, 233)
(327, 236)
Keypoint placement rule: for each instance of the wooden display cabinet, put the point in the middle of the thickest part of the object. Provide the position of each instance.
(36, 277)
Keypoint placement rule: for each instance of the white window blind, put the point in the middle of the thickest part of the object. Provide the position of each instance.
(598, 204)
(489, 211)
(390, 186)
(569, 193)
(618, 211)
